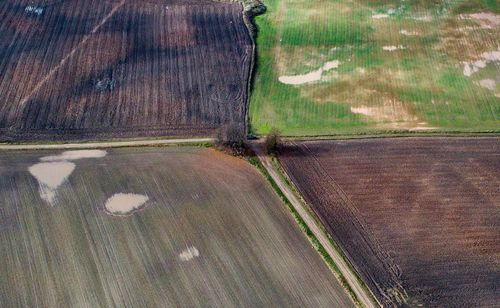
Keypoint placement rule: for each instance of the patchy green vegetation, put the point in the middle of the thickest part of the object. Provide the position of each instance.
(402, 66)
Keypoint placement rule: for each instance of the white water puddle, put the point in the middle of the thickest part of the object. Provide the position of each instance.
(125, 203)
(34, 9)
(393, 48)
(485, 58)
(74, 155)
(54, 170)
(189, 254)
(50, 176)
(311, 76)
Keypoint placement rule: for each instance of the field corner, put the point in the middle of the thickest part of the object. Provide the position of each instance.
(315, 243)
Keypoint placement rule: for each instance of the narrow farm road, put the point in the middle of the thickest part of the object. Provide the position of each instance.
(361, 293)
(100, 145)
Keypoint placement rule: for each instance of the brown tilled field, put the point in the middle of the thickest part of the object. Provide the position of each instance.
(418, 218)
(87, 69)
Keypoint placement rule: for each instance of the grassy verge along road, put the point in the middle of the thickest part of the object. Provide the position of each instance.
(362, 294)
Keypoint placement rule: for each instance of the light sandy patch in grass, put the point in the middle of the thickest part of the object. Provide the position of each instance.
(189, 254)
(394, 112)
(489, 84)
(409, 33)
(380, 16)
(74, 155)
(485, 58)
(393, 48)
(391, 115)
(426, 18)
(423, 127)
(125, 203)
(486, 20)
(51, 175)
(310, 77)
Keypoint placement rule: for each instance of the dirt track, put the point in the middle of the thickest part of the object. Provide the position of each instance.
(361, 293)
(102, 145)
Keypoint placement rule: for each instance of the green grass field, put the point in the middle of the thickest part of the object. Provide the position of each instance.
(402, 66)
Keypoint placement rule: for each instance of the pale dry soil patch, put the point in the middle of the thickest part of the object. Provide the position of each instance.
(311, 76)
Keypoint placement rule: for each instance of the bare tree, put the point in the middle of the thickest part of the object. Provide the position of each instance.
(232, 136)
(272, 141)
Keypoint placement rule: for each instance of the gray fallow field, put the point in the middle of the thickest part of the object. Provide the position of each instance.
(177, 227)
(91, 69)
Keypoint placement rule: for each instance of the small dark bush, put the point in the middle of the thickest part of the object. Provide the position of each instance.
(272, 142)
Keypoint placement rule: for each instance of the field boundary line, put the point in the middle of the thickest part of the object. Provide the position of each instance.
(69, 55)
(375, 135)
(110, 144)
(360, 293)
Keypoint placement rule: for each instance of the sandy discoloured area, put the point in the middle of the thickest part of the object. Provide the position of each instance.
(189, 254)
(486, 20)
(489, 84)
(74, 155)
(390, 112)
(485, 58)
(380, 16)
(393, 48)
(389, 13)
(51, 175)
(426, 18)
(125, 203)
(393, 115)
(409, 33)
(310, 77)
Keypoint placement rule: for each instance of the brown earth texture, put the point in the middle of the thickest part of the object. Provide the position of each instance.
(120, 68)
(418, 218)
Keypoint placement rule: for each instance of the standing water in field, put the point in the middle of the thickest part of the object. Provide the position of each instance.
(74, 155)
(50, 176)
(189, 254)
(54, 170)
(123, 204)
(310, 77)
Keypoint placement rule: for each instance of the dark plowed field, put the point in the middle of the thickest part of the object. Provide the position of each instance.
(418, 218)
(85, 69)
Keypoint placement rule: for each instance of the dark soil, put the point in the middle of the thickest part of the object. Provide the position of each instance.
(418, 217)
